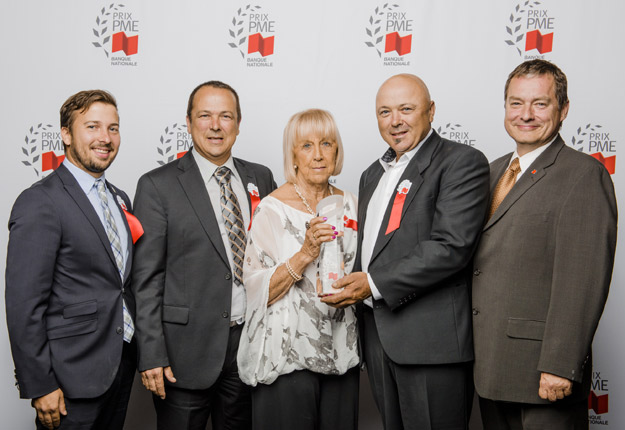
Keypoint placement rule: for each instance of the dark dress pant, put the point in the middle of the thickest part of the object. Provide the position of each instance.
(305, 400)
(227, 402)
(418, 397)
(497, 415)
(108, 411)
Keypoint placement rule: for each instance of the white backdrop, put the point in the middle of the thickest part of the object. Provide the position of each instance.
(327, 54)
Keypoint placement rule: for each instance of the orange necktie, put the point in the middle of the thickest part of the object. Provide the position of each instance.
(505, 184)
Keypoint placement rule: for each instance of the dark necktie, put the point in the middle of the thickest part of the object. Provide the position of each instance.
(233, 221)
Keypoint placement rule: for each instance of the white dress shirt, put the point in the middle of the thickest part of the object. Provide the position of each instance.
(389, 181)
(207, 170)
(526, 160)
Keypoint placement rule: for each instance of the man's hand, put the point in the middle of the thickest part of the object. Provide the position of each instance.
(554, 387)
(152, 379)
(50, 408)
(356, 289)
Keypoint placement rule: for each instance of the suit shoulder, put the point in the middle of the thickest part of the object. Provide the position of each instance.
(259, 169)
(455, 150)
(579, 159)
(162, 171)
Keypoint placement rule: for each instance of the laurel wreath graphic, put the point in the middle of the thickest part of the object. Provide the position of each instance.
(165, 148)
(101, 28)
(449, 127)
(30, 149)
(237, 28)
(514, 30)
(581, 132)
(375, 27)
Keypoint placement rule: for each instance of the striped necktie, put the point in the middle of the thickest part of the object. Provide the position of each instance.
(233, 221)
(113, 237)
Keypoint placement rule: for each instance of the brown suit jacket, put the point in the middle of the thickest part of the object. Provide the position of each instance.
(541, 275)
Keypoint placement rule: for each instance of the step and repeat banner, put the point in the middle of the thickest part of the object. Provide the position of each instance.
(285, 56)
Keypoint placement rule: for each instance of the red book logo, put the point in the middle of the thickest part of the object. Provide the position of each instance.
(542, 42)
(49, 161)
(181, 154)
(259, 44)
(608, 162)
(130, 45)
(599, 404)
(394, 42)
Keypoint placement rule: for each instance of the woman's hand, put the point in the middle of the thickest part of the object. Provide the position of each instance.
(316, 234)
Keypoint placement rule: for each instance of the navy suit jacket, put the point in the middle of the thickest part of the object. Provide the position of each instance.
(63, 291)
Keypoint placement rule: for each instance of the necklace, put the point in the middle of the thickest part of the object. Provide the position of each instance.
(301, 196)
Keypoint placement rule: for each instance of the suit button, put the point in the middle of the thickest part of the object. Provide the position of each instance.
(475, 311)
(225, 315)
(228, 276)
(123, 290)
(477, 272)
(119, 330)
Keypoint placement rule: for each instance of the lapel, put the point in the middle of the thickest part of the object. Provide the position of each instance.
(414, 173)
(247, 176)
(528, 180)
(117, 197)
(193, 186)
(82, 201)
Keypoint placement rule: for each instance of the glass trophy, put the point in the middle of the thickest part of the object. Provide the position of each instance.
(331, 263)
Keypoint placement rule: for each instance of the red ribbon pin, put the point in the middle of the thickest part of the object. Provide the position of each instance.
(398, 206)
(350, 223)
(254, 199)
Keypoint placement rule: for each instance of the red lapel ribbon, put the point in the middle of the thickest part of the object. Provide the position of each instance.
(398, 206)
(350, 223)
(255, 199)
(136, 229)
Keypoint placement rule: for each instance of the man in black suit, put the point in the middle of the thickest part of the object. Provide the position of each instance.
(420, 211)
(190, 298)
(69, 308)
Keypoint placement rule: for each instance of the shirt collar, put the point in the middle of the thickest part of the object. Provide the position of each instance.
(207, 168)
(84, 179)
(405, 158)
(526, 160)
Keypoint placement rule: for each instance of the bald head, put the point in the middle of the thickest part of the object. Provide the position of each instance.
(405, 112)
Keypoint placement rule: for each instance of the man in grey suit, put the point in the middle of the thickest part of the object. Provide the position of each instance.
(420, 211)
(69, 309)
(190, 297)
(543, 266)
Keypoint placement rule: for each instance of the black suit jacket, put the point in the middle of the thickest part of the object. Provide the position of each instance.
(422, 268)
(63, 291)
(183, 281)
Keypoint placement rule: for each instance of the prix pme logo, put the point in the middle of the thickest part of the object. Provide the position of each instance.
(117, 34)
(593, 140)
(598, 403)
(530, 30)
(456, 133)
(174, 143)
(252, 25)
(390, 33)
(43, 149)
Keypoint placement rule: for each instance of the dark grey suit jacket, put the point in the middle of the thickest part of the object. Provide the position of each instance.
(422, 268)
(63, 291)
(542, 273)
(183, 281)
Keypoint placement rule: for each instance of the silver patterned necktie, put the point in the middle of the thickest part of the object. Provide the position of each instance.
(233, 221)
(113, 237)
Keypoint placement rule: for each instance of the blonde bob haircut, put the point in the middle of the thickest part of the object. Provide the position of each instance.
(306, 123)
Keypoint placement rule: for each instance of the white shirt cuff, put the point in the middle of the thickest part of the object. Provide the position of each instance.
(374, 290)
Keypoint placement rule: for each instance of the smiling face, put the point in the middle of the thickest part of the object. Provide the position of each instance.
(533, 117)
(404, 111)
(315, 158)
(93, 141)
(213, 123)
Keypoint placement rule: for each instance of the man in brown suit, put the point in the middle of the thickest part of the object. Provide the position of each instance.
(543, 266)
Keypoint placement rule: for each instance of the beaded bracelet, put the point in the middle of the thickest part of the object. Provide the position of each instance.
(289, 269)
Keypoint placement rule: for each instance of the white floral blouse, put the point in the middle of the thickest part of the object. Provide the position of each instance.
(298, 331)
